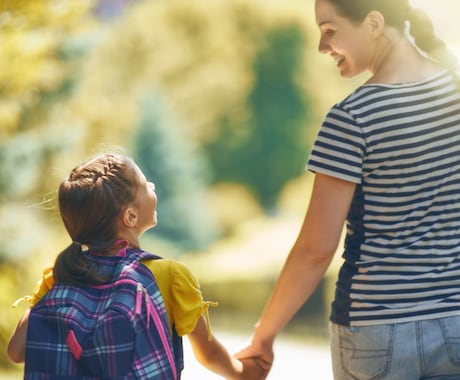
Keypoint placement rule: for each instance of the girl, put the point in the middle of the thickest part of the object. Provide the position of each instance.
(386, 162)
(103, 203)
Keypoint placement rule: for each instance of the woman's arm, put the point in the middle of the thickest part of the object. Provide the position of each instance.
(215, 357)
(306, 264)
(17, 344)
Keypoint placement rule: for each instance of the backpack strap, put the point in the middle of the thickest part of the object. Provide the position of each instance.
(133, 258)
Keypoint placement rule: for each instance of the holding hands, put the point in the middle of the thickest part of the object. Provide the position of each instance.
(257, 360)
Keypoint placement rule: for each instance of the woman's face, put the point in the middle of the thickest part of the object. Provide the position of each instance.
(349, 44)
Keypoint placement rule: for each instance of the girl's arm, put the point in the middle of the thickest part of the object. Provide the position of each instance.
(17, 344)
(215, 357)
(306, 264)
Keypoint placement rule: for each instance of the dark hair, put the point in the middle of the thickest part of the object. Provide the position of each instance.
(396, 13)
(90, 200)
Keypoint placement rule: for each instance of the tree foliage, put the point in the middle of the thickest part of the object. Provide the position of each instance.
(231, 70)
(270, 148)
(188, 86)
(169, 160)
(38, 46)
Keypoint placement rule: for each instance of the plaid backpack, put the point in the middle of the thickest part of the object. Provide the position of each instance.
(118, 330)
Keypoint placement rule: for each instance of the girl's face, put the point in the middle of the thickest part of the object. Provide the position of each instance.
(145, 203)
(349, 44)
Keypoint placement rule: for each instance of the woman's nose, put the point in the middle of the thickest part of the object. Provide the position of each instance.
(323, 47)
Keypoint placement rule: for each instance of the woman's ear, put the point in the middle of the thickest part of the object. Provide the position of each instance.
(376, 23)
(129, 217)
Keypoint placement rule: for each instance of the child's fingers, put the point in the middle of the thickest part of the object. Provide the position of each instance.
(264, 364)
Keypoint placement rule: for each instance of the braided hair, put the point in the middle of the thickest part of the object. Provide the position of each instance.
(90, 201)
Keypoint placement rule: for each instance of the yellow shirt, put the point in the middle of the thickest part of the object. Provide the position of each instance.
(180, 290)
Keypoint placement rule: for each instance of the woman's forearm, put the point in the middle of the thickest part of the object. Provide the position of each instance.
(293, 288)
(310, 255)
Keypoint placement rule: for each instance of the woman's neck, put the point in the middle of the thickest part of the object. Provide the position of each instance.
(400, 62)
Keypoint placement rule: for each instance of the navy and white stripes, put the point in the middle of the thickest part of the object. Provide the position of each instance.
(401, 145)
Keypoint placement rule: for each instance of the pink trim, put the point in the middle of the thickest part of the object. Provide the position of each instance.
(118, 282)
(73, 344)
(139, 291)
(122, 252)
(164, 339)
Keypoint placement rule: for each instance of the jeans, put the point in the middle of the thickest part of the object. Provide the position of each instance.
(422, 350)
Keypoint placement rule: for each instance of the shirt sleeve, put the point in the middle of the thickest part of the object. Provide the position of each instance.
(339, 148)
(41, 288)
(187, 300)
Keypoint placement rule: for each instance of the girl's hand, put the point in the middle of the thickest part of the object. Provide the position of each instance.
(251, 370)
(261, 356)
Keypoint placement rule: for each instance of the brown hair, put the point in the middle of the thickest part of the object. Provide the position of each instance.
(396, 13)
(90, 200)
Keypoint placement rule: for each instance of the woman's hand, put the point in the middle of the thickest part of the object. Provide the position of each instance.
(253, 370)
(261, 355)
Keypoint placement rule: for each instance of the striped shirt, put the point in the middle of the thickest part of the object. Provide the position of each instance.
(400, 144)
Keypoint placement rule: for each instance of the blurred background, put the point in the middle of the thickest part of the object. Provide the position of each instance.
(218, 102)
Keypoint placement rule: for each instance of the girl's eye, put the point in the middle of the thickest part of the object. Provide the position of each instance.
(329, 32)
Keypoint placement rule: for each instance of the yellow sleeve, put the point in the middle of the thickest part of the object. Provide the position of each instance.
(41, 288)
(187, 301)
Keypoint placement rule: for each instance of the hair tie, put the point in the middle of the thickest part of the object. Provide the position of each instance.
(411, 39)
(77, 243)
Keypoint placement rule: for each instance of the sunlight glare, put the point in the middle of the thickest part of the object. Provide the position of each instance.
(444, 14)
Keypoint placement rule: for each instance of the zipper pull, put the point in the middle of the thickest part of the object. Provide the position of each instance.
(149, 306)
(139, 290)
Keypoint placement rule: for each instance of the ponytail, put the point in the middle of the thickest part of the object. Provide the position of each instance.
(73, 266)
(422, 30)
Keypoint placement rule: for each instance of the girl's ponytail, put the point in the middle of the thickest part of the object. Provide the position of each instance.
(73, 266)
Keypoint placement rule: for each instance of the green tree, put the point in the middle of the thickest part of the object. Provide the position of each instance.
(40, 49)
(271, 147)
(40, 46)
(179, 173)
(278, 150)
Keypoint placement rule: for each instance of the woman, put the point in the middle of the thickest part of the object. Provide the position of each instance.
(386, 163)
